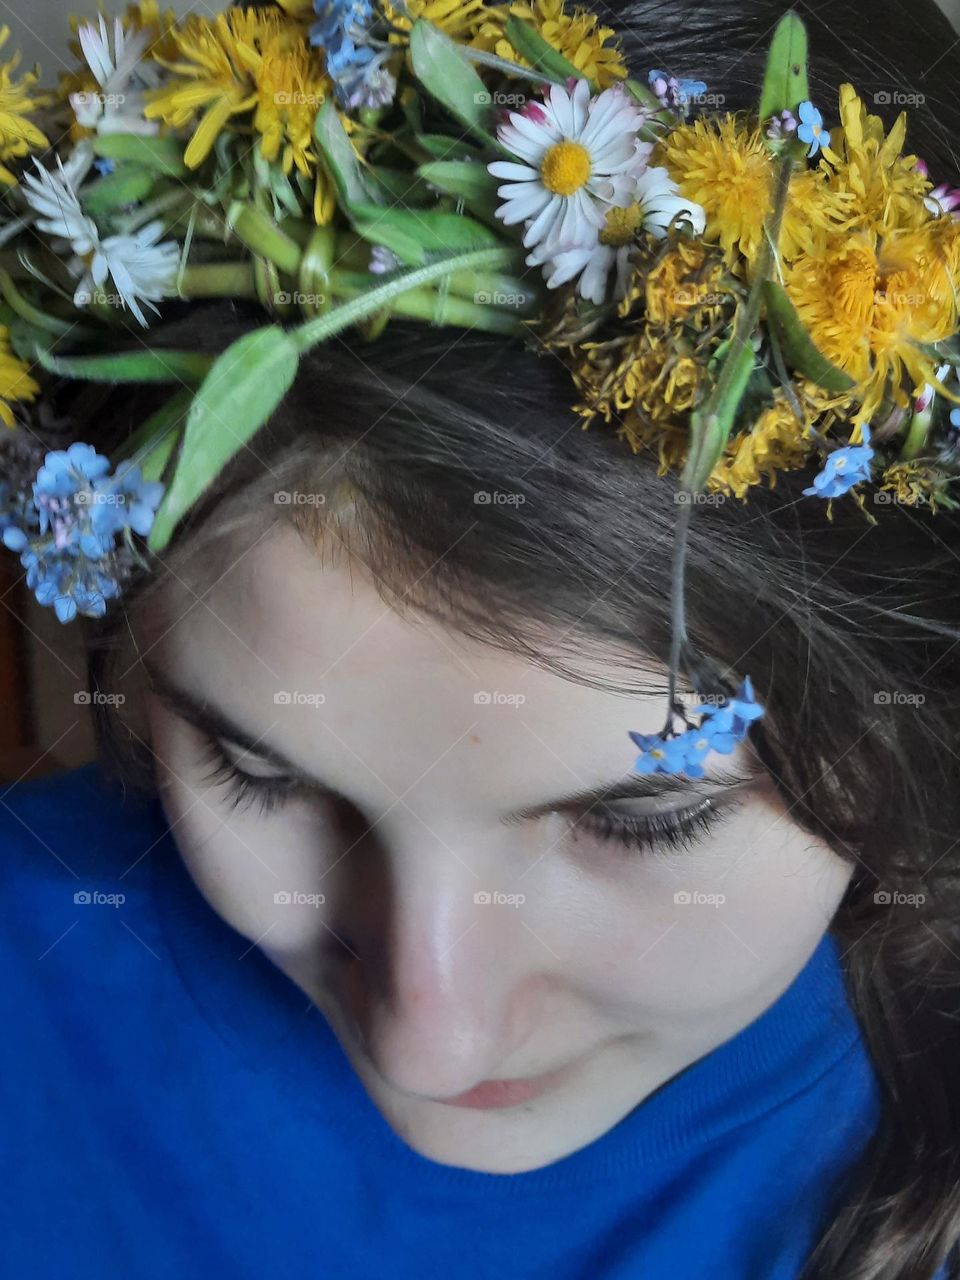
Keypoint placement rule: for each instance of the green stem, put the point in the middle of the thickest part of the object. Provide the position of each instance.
(27, 311)
(711, 424)
(218, 280)
(260, 233)
(372, 300)
(916, 437)
(503, 64)
(463, 284)
(428, 304)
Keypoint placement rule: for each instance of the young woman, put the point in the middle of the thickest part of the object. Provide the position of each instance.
(373, 955)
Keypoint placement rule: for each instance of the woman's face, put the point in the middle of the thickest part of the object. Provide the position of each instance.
(410, 850)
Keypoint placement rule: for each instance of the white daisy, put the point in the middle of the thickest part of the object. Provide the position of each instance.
(656, 202)
(580, 155)
(53, 197)
(118, 106)
(141, 269)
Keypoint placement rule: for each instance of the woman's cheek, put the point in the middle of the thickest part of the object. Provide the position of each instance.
(262, 872)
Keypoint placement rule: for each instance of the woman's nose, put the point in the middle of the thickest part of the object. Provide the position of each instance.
(447, 981)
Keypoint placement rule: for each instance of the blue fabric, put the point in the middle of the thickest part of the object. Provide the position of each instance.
(173, 1106)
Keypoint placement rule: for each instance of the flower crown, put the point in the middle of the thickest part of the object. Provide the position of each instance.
(744, 293)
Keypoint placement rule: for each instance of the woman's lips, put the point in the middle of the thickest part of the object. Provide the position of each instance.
(490, 1094)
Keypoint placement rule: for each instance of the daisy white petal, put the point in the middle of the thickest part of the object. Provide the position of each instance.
(586, 156)
(508, 169)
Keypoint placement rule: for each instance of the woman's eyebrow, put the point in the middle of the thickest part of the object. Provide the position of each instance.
(218, 724)
(211, 720)
(634, 786)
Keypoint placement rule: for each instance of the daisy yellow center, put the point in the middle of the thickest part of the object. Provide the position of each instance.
(621, 225)
(565, 168)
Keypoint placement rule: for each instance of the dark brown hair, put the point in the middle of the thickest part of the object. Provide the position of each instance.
(851, 631)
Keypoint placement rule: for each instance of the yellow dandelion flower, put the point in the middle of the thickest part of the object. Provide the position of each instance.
(15, 380)
(777, 441)
(864, 161)
(725, 167)
(18, 135)
(687, 284)
(159, 24)
(644, 373)
(213, 74)
(915, 484)
(460, 19)
(869, 304)
(668, 443)
(291, 86)
(578, 36)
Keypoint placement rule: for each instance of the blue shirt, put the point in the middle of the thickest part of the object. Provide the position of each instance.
(174, 1106)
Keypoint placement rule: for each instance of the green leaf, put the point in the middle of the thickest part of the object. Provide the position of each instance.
(530, 44)
(414, 235)
(785, 83)
(127, 184)
(163, 155)
(799, 349)
(238, 395)
(146, 446)
(341, 159)
(129, 366)
(709, 432)
(449, 78)
(467, 179)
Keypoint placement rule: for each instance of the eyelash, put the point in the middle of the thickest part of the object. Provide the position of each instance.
(680, 829)
(676, 830)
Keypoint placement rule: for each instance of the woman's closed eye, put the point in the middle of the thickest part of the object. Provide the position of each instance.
(656, 828)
